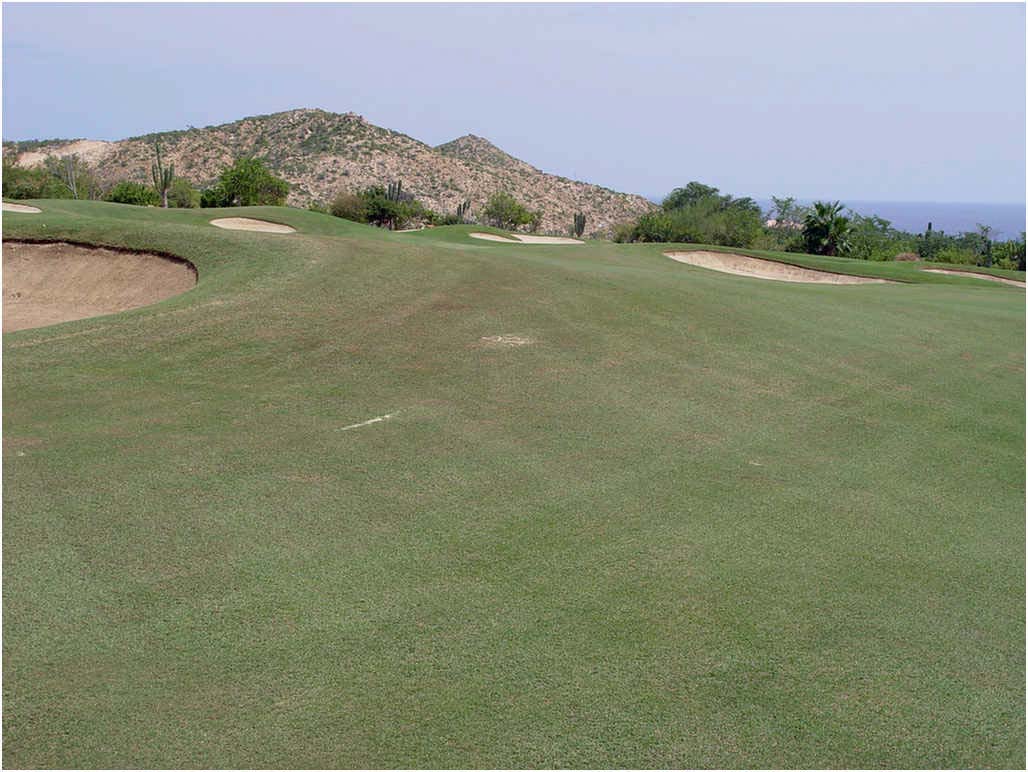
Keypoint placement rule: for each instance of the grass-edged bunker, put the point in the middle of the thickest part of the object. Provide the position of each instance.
(47, 283)
(251, 224)
(758, 268)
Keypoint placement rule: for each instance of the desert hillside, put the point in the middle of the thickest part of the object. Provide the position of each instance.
(321, 153)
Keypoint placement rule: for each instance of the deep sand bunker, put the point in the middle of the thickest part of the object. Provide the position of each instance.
(755, 268)
(49, 283)
(973, 275)
(525, 239)
(249, 224)
(23, 208)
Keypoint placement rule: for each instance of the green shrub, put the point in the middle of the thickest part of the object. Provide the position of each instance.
(698, 214)
(956, 256)
(504, 211)
(349, 206)
(247, 183)
(214, 197)
(31, 183)
(183, 195)
(133, 193)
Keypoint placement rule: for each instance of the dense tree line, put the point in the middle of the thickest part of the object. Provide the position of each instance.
(700, 214)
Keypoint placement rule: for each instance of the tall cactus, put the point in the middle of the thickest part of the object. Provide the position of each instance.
(394, 191)
(462, 210)
(579, 226)
(162, 177)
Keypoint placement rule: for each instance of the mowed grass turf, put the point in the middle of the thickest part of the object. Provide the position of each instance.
(700, 520)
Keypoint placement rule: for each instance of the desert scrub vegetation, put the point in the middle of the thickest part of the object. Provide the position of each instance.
(386, 206)
(135, 193)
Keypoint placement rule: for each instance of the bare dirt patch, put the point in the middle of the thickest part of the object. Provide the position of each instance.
(506, 341)
(973, 275)
(756, 268)
(517, 238)
(46, 284)
(90, 150)
(249, 224)
(23, 208)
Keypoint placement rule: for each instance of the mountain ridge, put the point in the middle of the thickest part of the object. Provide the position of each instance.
(321, 153)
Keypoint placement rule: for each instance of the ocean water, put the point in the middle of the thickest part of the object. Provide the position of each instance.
(1006, 220)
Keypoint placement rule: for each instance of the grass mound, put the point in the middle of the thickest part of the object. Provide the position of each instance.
(364, 499)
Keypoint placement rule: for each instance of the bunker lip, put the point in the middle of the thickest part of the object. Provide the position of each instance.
(23, 208)
(974, 275)
(251, 224)
(516, 238)
(760, 268)
(47, 282)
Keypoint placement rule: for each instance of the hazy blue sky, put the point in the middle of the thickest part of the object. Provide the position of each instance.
(888, 102)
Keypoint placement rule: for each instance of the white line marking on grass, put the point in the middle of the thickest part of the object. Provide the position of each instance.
(370, 421)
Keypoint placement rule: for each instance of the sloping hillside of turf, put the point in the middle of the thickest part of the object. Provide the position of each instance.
(697, 521)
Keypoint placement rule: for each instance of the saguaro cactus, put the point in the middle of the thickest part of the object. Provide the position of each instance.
(394, 191)
(462, 210)
(162, 177)
(579, 226)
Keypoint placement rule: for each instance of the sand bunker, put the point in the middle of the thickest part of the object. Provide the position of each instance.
(973, 275)
(23, 208)
(755, 268)
(249, 224)
(516, 238)
(49, 283)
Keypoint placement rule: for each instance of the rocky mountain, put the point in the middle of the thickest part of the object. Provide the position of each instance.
(322, 153)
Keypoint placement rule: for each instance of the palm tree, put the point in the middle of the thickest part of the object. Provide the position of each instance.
(825, 230)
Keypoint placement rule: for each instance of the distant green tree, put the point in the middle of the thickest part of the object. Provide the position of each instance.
(825, 230)
(133, 193)
(182, 195)
(1010, 254)
(214, 197)
(77, 176)
(37, 182)
(390, 207)
(700, 214)
(874, 238)
(786, 212)
(249, 183)
(504, 211)
(349, 206)
(690, 194)
(985, 249)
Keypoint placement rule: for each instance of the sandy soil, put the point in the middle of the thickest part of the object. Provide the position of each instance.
(23, 208)
(973, 275)
(512, 341)
(49, 283)
(90, 150)
(755, 268)
(525, 239)
(249, 224)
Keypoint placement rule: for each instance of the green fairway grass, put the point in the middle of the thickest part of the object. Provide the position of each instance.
(698, 520)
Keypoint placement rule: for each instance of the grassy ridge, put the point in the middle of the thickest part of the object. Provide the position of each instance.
(700, 521)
